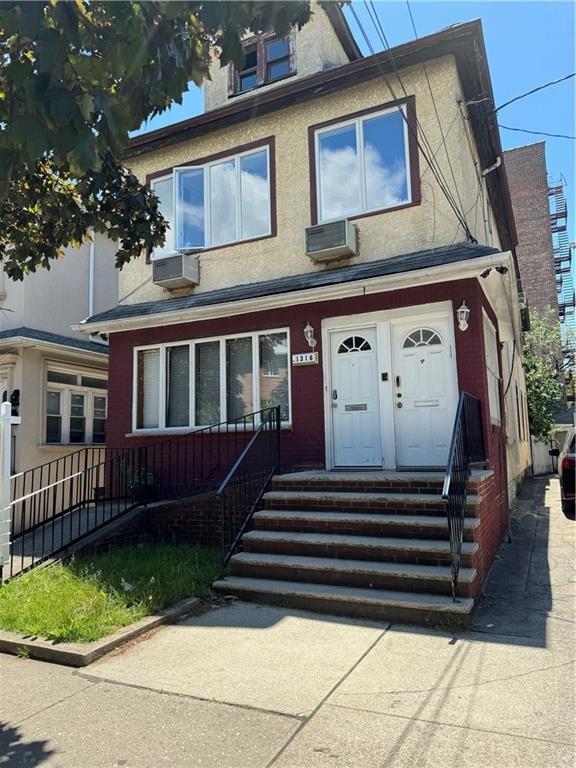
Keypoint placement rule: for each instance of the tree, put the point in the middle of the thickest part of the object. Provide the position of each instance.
(547, 360)
(75, 78)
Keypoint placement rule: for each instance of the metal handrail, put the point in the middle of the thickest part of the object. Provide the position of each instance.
(466, 447)
(242, 489)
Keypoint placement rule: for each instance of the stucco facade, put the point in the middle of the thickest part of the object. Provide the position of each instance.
(429, 224)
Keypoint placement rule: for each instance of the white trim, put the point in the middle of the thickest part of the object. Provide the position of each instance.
(381, 284)
(384, 321)
(191, 343)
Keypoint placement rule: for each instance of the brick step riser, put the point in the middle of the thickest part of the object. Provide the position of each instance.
(313, 505)
(360, 610)
(358, 529)
(351, 488)
(346, 579)
(346, 552)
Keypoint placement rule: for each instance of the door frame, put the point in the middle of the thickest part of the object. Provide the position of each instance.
(383, 320)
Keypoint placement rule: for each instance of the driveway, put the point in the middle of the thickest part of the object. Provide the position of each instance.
(251, 686)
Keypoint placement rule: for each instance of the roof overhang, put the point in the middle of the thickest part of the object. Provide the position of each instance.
(440, 274)
(23, 342)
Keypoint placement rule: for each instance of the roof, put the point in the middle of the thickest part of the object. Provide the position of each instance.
(465, 42)
(45, 337)
(342, 29)
(406, 263)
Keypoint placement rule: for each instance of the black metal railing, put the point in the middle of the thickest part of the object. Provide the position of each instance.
(64, 501)
(242, 489)
(467, 447)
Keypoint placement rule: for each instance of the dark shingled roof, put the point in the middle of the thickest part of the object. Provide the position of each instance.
(54, 338)
(282, 285)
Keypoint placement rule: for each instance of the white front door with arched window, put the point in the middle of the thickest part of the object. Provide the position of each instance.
(425, 392)
(354, 399)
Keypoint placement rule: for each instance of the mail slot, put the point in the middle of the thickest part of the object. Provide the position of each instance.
(356, 407)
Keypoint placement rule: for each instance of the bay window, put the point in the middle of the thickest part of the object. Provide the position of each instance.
(216, 203)
(75, 407)
(197, 383)
(362, 164)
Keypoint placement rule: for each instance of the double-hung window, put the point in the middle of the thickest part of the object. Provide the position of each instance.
(206, 381)
(362, 164)
(216, 203)
(492, 370)
(75, 407)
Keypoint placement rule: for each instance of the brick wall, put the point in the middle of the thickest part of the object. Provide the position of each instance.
(528, 182)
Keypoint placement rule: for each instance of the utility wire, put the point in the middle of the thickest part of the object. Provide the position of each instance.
(435, 108)
(535, 90)
(537, 133)
(439, 175)
(436, 173)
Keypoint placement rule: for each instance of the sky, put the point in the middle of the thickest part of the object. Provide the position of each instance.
(528, 44)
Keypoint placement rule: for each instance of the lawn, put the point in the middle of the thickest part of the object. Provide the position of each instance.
(91, 596)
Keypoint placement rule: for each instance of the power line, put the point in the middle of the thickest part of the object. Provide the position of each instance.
(435, 171)
(435, 108)
(537, 133)
(535, 90)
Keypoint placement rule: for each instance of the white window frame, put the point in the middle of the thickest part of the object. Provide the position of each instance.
(492, 376)
(357, 122)
(205, 168)
(254, 335)
(155, 255)
(66, 391)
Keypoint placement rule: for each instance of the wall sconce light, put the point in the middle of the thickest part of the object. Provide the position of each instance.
(309, 336)
(462, 314)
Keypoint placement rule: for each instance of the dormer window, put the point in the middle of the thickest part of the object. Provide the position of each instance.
(267, 59)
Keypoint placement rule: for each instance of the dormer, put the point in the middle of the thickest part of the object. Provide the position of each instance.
(325, 42)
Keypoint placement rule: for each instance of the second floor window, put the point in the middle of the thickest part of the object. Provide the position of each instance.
(362, 164)
(216, 203)
(266, 59)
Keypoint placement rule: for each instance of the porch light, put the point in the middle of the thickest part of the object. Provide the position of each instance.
(309, 336)
(463, 313)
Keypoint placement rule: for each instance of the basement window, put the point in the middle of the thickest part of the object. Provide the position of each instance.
(267, 59)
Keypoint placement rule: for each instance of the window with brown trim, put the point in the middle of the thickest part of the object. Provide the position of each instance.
(364, 163)
(267, 59)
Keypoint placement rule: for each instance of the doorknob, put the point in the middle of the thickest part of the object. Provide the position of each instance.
(398, 405)
(334, 394)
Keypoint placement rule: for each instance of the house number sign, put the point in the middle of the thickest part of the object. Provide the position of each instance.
(305, 358)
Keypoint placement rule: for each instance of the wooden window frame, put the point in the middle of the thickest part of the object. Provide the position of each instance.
(409, 104)
(260, 42)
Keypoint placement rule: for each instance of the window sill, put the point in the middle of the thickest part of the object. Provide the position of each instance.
(187, 431)
(379, 212)
(267, 84)
(60, 446)
(210, 248)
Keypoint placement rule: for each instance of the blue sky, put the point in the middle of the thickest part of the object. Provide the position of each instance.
(528, 44)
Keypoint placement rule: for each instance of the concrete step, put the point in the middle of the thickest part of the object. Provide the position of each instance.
(406, 503)
(418, 551)
(361, 523)
(405, 577)
(408, 607)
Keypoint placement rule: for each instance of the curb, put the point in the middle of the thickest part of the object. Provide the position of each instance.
(82, 654)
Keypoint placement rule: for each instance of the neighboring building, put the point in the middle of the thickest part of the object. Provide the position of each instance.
(55, 377)
(259, 258)
(544, 258)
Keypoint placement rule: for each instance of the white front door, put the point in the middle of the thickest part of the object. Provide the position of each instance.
(354, 399)
(425, 392)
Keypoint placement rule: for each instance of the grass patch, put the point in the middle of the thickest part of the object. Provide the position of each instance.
(92, 596)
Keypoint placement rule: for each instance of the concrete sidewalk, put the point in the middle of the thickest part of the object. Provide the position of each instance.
(252, 686)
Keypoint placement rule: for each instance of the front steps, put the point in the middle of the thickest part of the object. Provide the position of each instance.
(365, 544)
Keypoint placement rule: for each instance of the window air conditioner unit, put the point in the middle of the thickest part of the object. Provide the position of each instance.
(176, 271)
(336, 240)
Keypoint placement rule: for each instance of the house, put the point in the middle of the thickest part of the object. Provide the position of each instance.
(342, 247)
(56, 378)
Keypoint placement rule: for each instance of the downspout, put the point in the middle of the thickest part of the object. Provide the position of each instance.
(91, 277)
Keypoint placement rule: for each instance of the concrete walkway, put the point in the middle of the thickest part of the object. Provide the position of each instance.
(250, 686)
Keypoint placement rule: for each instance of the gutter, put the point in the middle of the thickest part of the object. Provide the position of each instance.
(382, 284)
(27, 343)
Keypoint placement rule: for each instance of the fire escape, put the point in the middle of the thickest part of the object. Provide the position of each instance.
(562, 252)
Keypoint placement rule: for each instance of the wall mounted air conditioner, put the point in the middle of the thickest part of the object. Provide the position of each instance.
(176, 271)
(336, 240)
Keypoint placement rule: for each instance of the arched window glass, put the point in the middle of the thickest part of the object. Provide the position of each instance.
(354, 344)
(423, 337)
